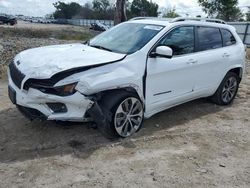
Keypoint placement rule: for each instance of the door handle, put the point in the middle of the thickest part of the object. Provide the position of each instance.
(192, 61)
(226, 55)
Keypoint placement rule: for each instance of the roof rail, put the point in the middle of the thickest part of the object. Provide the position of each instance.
(151, 18)
(179, 19)
(138, 18)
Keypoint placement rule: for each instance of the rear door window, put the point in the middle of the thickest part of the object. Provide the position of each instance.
(209, 38)
(228, 38)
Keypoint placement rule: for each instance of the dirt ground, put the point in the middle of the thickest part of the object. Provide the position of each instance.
(197, 144)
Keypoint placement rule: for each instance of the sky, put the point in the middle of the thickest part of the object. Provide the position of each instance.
(43, 7)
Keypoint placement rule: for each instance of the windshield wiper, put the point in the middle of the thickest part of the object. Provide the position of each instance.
(101, 47)
(86, 42)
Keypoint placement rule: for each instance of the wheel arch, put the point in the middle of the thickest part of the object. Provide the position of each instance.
(101, 110)
(238, 71)
(109, 92)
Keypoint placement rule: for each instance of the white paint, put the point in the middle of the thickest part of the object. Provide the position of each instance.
(43, 62)
(188, 77)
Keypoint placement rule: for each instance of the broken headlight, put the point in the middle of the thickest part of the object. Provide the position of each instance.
(64, 90)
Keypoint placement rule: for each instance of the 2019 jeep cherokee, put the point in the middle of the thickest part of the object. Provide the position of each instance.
(130, 72)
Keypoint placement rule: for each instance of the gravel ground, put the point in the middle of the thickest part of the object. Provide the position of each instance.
(10, 46)
(14, 39)
(197, 144)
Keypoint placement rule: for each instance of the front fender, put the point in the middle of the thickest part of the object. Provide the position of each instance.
(121, 77)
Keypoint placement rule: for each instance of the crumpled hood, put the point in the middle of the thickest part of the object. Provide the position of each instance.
(46, 61)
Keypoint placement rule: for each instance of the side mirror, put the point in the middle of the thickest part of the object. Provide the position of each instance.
(162, 51)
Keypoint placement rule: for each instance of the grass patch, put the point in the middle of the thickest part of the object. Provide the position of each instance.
(73, 35)
(62, 34)
(25, 32)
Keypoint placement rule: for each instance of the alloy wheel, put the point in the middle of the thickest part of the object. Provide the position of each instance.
(128, 117)
(229, 89)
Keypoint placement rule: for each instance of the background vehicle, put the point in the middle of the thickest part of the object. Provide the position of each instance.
(7, 20)
(99, 26)
(133, 70)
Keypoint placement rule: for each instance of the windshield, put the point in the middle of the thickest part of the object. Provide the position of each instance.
(126, 38)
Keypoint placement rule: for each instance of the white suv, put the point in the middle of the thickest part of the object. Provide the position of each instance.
(130, 72)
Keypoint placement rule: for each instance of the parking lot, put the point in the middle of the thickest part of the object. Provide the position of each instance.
(197, 144)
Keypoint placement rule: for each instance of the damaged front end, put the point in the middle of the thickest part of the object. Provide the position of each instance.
(31, 113)
(71, 94)
(97, 115)
(50, 103)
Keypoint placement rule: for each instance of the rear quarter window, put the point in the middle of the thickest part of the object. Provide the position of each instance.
(228, 38)
(209, 38)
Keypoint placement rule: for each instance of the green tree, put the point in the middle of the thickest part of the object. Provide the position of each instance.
(227, 10)
(66, 11)
(248, 15)
(102, 10)
(120, 11)
(171, 14)
(86, 12)
(144, 8)
(101, 5)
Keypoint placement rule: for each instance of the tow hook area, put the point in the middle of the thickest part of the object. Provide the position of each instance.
(100, 118)
(97, 114)
(31, 113)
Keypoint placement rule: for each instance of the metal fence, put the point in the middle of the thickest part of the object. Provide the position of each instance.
(243, 30)
(85, 22)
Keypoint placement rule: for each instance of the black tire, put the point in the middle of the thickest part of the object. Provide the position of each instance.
(109, 105)
(219, 96)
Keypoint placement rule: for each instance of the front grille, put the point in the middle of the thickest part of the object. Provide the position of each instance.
(38, 83)
(16, 75)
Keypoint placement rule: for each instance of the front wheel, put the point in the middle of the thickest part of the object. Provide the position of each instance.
(126, 114)
(128, 117)
(227, 90)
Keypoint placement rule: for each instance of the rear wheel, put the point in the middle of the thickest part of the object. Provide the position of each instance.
(227, 90)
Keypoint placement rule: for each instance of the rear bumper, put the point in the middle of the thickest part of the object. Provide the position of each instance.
(36, 104)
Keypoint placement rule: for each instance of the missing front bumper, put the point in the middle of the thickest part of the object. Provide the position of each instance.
(31, 113)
